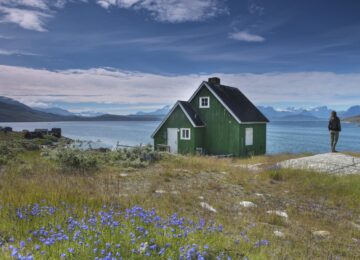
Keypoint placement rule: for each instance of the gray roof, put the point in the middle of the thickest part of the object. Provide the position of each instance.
(195, 118)
(238, 103)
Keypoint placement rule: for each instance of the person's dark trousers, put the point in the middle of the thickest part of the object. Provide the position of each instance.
(334, 136)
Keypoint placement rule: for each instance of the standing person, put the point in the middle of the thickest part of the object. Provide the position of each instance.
(334, 128)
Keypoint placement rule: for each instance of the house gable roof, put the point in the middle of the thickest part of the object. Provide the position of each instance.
(190, 113)
(237, 104)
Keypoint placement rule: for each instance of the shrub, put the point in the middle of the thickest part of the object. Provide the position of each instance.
(6, 153)
(70, 159)
(140, 156)
(45, 140)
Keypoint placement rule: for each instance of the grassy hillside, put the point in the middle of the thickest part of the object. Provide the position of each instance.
(91, 204)
(14, 113)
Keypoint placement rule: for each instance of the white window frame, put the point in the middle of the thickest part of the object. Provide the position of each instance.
(182, 137)
(249, 136)
(208, 102)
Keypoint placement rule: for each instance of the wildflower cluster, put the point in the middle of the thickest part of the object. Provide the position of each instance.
(66, 232)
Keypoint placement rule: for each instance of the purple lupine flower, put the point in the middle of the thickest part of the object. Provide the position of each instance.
(14, 252)
(22, 244)
(262, 242)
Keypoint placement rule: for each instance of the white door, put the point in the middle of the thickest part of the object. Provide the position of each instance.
(172, 139)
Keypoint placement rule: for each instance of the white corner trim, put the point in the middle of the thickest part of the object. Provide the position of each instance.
(164, 120)
(169, 114)
(183, 109)
(217, 97)
(222, 103)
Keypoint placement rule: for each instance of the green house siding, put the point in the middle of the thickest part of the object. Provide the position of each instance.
(259, 139)
(222, 132)
(179, 120)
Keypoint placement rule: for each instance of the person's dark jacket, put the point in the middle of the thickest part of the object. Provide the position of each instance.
(334, 124)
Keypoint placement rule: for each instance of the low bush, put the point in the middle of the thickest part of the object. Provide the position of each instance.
(6, 153)
(46, 140)
(72, 159)
(140, 156)
(76, 160)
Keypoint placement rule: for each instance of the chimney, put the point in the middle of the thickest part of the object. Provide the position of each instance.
(214, 80)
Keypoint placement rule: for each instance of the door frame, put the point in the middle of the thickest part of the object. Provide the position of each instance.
(173, 149)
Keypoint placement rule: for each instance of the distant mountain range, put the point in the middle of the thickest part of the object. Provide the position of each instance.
(289, 114)
(298, 114)
(54, 110)
(63, 112)
(159, 112)
(14, 111)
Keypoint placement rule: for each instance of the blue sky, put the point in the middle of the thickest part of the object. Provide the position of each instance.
(127, 55)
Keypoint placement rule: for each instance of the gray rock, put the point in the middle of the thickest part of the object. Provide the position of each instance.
(355, 225)
(321, 233)
(248, 204)
(279, 234)
(279, 213)
(333, 163)
(208, 207)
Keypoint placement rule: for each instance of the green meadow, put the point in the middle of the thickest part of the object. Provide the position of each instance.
(57, 203)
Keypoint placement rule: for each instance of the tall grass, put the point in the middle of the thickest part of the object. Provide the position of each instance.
(313, 202)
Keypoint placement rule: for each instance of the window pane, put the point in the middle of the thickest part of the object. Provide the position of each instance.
(204, 102)
(185, 134)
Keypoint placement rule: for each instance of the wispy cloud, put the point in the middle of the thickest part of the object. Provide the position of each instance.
(33, 14)
(27, 19)
(4, 37)
(16, 52)
(106, 85)
(246, 37)
(254, 7)
(174, 11)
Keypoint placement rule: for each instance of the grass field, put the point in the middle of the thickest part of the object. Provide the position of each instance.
(119, 204)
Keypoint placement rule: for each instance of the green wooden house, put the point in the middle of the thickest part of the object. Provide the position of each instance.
(217, 120)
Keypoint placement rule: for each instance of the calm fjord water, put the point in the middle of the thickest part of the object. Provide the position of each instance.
(282, 137)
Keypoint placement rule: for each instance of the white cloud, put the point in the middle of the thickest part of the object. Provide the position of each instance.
(4, 37)
(246, 37)
(33, 14)
(40, 4)
(12, 52)
(30, 14)
(255, 8)
(174, 11)
(106, 85)
(5, 52)
(27, 19)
